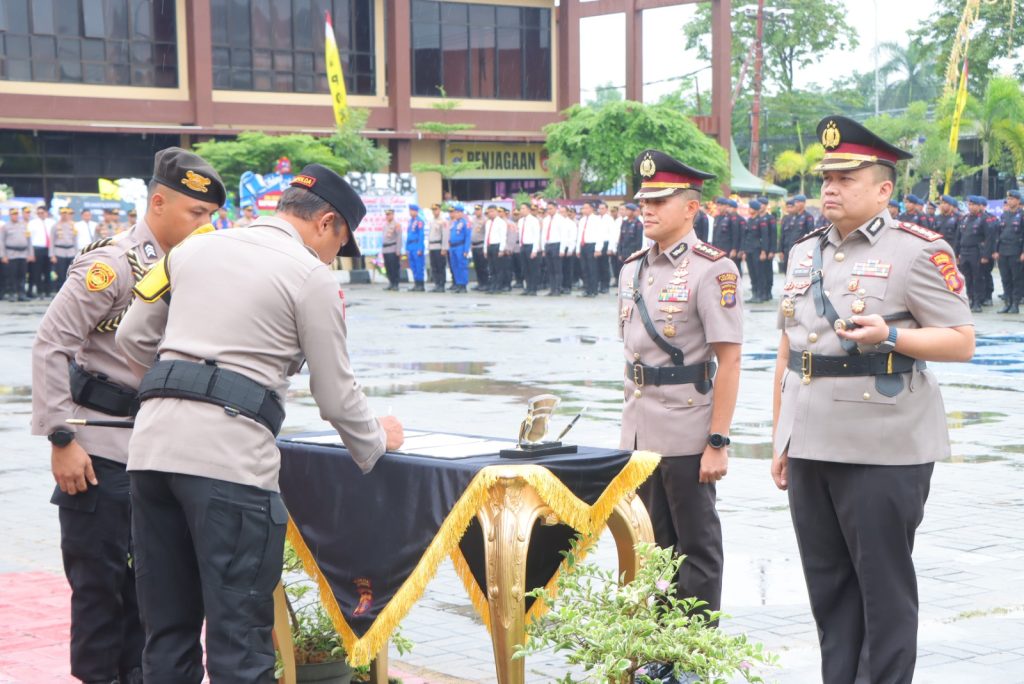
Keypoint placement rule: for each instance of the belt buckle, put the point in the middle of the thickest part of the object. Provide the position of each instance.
(638, 375)
(806, 366)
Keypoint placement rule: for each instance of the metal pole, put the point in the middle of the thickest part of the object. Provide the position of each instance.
(755, 134)
(875, 2)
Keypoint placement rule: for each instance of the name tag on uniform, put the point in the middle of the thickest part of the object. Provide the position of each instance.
(872, 268)
(801, 273)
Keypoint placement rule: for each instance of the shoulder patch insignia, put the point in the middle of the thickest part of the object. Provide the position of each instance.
(918, 231)
(155, 284)
(99, 277)
(727, 283)
(813, 233)
(635, 255)
(947, 267)
(708, 251)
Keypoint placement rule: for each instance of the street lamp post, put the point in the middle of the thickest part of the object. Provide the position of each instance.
(759, 11)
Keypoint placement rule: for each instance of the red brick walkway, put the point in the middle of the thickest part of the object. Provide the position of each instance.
(34, 621)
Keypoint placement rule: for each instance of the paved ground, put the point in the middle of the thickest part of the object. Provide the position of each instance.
(453, 361)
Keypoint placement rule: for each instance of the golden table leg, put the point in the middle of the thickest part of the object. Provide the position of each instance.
(507, 520)
(283, 635)
(630, 524)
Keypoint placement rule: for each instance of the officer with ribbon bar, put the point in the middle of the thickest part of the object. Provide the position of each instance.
(207, 516)
(858, 416)
(78, 373)
(680, 320)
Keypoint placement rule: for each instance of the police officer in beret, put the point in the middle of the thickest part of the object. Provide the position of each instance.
(894, 209)
(77, 372)
(978, 234)
(207, 516)
(915, 212)
(858, 416)
(787, 232)
(1009, 246)
(681, 323)
(947, 222)
(415, 246)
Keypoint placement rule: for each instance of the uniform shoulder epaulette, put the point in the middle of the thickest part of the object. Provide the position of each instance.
(919, 231)
(635, 255)
(93, 246)
(708, 251)
(814, 233)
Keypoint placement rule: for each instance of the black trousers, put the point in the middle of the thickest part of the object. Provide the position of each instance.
(684, 517)
(604, 271)
(516, 267)
(96, 547)
(974, 277)
(61, 268)
(553, 262)
(437, 268)
(1011, 272)
(480, 266)
(531, 268)
(855, 527)
(498, 277)
(588, 264)
(17, 270)
(989, 279)
(392, 266)
(40, 271)
(208, 549)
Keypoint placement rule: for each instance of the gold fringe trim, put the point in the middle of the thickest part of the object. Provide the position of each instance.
(569, 509)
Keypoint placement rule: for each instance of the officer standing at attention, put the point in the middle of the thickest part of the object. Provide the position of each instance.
(479, 248)
(858, 417)
(751, 241)
(976, 239)
(787, 233)
(1009, 246)
(680, 310)
(459, 248)
(77, 372)
(15, 253)
(208, 521)
(414, 247)
(894, 209)
(591, 237)
(914, 213)
(437, 242)
(804, 219)
(725, 235)
(631, 233)
(551, 238)
(391, 248)
(63, 244)
(947, 222)
(701, 225)
(247, 217)
(530, 251)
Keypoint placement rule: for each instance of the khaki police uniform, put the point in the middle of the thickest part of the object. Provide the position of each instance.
(15, 248)
(207, 512)
(477, 224)
(391, 249)
(63, 248)
(862, 429)
(437, 245)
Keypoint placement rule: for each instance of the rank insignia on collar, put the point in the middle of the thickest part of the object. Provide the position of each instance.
(874, 227)
(195, 182)
(708, 251)
(149, 250)
(679, 250)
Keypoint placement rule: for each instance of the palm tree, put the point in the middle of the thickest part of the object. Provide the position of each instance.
(792, 163)
(1010, 135)
(1002, 103)
(914, 66)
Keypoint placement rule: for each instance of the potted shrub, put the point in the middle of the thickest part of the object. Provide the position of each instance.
(638, 632)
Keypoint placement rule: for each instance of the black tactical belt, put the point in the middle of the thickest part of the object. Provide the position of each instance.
(456, 244)
(436, 243)
(234, 392)
(478, 244)
(818, 365)
(97, 392)
(671, 375)
(389, 244)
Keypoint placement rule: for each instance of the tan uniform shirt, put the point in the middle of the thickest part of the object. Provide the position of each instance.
(98, 288)
(692, 294)
(438, 237)
(15, 240)
(63, 240)
(392, 239)
(477, 236)
(258, 302)
(244, 222)
(878, 269)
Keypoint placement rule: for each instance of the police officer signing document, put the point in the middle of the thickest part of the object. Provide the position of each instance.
(224, 320)
(680, 311)
(77, 372)
(858, 417)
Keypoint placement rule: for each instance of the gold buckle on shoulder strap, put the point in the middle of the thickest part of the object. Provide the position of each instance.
(806, 366)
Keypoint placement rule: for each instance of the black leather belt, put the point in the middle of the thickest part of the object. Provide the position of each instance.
(234, 392)
(436, 243)
(478, 244)
(818, 365)
(389, 244)
(97, 392)
(671, 375)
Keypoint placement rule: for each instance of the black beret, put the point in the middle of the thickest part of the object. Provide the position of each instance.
(335, 190)
(189, 174)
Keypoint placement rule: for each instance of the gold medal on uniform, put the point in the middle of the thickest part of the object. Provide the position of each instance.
(858, 306)
(669, 330)
(670, 309)
(788, 307)
(853, 285)
(624, 315)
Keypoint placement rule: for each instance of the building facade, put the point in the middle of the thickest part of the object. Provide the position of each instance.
(91, 88)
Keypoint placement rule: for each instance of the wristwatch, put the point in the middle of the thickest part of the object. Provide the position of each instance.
(61, 438)
(716, 440)
(889, 343)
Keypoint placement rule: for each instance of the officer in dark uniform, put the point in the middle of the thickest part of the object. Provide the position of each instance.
(804, 219)
(631, 235)
(769, 242)
(701, 225)
(947, 222)
(1008, 252)
(787, 233)
(913, 214)
(894, 209)
(752, 251)
(976, 239)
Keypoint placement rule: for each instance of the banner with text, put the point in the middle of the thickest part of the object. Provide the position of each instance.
(499, 161)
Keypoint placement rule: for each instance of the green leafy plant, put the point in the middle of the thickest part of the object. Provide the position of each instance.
(615, 631)
(445, 130)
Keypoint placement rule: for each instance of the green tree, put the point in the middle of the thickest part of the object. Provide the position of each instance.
(444, 130)
(790, 43)
(602, 142)
(1010, 135)
(346, 150)
(914, 66)
(999, 36)
(606, 93)
(987, 117)
(792, 164)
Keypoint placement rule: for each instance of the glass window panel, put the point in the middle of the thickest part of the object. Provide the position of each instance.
(118, 74)
(16, 47)
(425, 12)
(455, 62)
(219, 22)
(166, 76)
(117, 18)
(68, 49)
(142, 75)
(16, 16)
(483, 59)
(93, 50)
(44, 71)
(453, 13)
(303, 62)
(261, 59)
(142, 18)
(238, 20)
(18, 70)
(302, 20)
(481, 15)
(117, 52)
(537, 85)
(241, 79)
(42, 17)
(281, 24)
(283, 82)
(532, 16)
(67, 18)
(341, 17)
(303, 83)
(93, 73)
(165, 57)
(71, 70)
(165, 21)
(241, 58)
(363, 25)
(44, 47)
(221, 57)
(92, 13)
(261, 80)
(221, 78)
(261, 23)
(282, 61)
(508, 17)
(510, 66)
(142, 53)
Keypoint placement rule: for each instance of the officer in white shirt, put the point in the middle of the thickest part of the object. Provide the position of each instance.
(602, 252)
(591, 230)
(551, 237)
(41, 273)
(530, 250)
(495, 235)
(86, 228)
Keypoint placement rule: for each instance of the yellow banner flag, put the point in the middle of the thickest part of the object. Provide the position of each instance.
(954, 130)
(339, 97)
(109, 190)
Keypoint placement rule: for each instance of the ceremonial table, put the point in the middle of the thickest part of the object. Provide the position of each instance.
(374, 541)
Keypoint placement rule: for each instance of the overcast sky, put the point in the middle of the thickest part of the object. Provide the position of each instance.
(603, 50)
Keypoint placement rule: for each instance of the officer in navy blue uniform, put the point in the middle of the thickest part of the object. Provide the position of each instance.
(947, 222)
(752, 251)
(914, 213)
(787, 234)
(1009, 246)
(976, 239)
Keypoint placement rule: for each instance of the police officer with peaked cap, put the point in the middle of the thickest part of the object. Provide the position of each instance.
(680, 320)
(77, 372)
(858, 416)
(208, 520)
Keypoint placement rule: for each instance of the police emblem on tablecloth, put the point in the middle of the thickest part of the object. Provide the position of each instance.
(830, 137)
(365, 589)
(195, 182)
(727, 284)
(947, 267)
(647, 167)
(99, 277)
